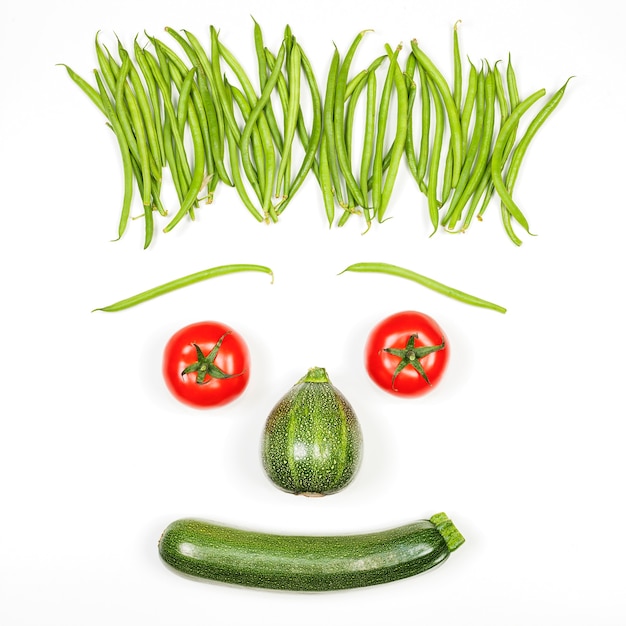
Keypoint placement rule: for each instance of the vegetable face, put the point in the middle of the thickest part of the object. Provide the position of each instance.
(312, 439)
(407, 353)
(206, 365)
(307, 563)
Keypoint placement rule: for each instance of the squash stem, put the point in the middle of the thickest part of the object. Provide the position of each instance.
(448, 531)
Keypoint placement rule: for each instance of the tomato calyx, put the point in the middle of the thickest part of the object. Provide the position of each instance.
(411, 355)
(205, 367)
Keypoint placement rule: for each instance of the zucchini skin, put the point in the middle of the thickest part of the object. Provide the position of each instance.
(312, 441)
(210, 551)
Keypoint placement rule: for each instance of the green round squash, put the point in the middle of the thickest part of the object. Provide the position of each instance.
(312, 440)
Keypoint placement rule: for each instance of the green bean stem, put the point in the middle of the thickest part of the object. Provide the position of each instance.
(394, 270)
(178, 283)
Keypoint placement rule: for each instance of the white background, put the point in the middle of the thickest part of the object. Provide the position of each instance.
(522, 444)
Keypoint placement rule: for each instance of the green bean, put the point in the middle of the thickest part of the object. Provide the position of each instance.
(282, 88)
(500, 93)
(368, 139)
(233, 151)
(143, 105)
(161, 59)
(142, 145)
(185, 281)
(457, 91)
(214, 112)
(266, 137)
(283, 93)
(178, 128)
(239, 72)
(338, 121)
(353, 100)
(155, 100)
(203, 104)
(433, 168)
(481, 188)
(294, 71)
(124, 152)
(257, 116)
(511, 81)
(104, 64)
(197, 180)
(91, 93)
(451, 108)
(326, 184)
(381, 127)
(531, 131)
(446, 187)
(484, 149)
(469, 102)
(472, 148)
(259, 47)
(397, 150)
(316, 130)
(184, 96)
(354, 83)
(254, 166)
(329, 128)
(160, 71)
(505, 110)
(409, 147)
(256, 113)
(127, 123)
(394, 270)
(212, 175)
(264, 68)
(253, 158)
(422, 159)
(488, 189)
(497, 156)
(109, 72)
(522, 146)
(220, 86)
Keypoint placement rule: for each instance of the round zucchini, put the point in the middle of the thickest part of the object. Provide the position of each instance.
(205, 550)
(312, 439)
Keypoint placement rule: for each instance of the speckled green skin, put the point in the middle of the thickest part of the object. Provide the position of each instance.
(312, 440)
(200, 549)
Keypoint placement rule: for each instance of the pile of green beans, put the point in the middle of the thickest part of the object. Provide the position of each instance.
(367, 189)
(484, 155)
(177, 111)
(193, 111)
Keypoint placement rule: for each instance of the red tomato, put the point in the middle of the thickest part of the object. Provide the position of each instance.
(407, 353)
(206, 364)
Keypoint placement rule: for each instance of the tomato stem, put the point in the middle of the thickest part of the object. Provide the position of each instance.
(205, 367)
(411, 355)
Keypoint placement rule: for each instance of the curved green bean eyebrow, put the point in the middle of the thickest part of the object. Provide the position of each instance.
(178, 283)
(401, 272)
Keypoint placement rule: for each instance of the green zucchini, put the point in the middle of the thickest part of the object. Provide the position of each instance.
(205, 550)
(312, 439)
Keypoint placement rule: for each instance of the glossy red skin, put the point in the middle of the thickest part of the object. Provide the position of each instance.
(233, 358)
(394, 332)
